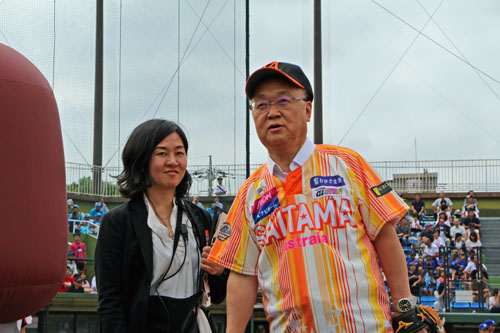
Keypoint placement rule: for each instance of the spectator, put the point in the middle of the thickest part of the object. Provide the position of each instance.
(456, 228)
(430, 249)
(418, 208)
(442, 212)
(495, 307)
(470, 194)
(79, 249)
(443, 231)
(219, 189)
(85, 282)
(76, 209)
(68, 280)
(403, 232)
(197, 202)
(439, 295)
(97, 219)
(437, 240)
(217, 203)
(473, 241)
(491, 299)
(472, 229)
(93, 286)
(96, 209)
(426, 233)
(415, 227)
(457, 244)
(73, 222)
(70, 206)
(437, 203)
(472, 266)
(104, 208)
(469, 206)
(415, 279)
(429, 282)
(471, 218)
(413, 260)
(76, 287)
(85, 225)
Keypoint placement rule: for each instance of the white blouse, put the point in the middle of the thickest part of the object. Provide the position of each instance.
(185, 282)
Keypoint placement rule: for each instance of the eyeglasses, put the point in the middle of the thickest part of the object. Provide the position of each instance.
(282, 103)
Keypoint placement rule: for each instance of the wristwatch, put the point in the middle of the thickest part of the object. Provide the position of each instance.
(405, 304)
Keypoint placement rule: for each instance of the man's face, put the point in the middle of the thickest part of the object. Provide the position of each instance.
(417, 197)
(441, 195)
(277, 128)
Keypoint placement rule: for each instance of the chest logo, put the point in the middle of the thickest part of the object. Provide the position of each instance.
(265, 205)
(334, 181)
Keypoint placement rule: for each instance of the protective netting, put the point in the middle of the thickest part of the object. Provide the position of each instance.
(181, 60)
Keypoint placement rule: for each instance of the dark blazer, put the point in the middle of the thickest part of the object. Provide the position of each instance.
(124, 265)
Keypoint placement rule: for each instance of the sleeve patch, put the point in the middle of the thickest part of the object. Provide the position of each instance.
(382, 189)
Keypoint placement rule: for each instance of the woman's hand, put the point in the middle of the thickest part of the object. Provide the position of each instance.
(208, 266)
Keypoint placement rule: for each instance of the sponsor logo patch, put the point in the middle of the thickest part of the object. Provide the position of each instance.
(318, 181)
(266, 210)
(224, 232)
(324, 191)
(381, 189)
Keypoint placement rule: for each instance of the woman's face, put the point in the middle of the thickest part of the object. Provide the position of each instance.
(168, 163)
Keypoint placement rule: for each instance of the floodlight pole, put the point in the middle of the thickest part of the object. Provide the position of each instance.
(98, 99)
(318, 90)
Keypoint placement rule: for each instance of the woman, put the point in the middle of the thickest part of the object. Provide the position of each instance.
(150, 250)
(473, 241)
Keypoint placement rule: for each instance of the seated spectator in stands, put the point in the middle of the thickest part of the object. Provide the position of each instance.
(197, 202)
(469, 206)
(426, 233)
(429, 263)
(491, 300)
(93, 286)
(473, 241)
(418, 208)
(439, 295)
(429, 282)
(480, 285)
(413, 260)
(218, 203)
(457, 227)
(415, 227)
(76, 209)
(95, 210)
(457, 244)
(68, 280)
(470, 194)
(472, 266)
(79, 249)
(437, 203)
(76, 287)
(85, 282)
(443, 213)
(443, 231)
(73, 222)
(70, 206)
(414, 279)
(97, 219)
(495, 307)
(471, 218)
(430, 249)
(403, 232)
(85, 225)
(436, 240)
(104, 208)
(471, 230)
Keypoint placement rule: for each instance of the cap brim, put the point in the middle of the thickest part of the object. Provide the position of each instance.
(265, 73)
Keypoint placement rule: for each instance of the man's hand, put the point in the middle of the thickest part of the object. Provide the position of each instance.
(208, 266)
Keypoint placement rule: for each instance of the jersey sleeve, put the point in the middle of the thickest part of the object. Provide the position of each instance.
(378, 202)
(236, 247)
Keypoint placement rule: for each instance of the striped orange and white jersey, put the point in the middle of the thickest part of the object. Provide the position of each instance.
(309, 242)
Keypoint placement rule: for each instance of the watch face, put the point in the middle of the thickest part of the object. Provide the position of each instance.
(404, 305)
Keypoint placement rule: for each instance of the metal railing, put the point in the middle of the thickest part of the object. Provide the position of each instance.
(403, 176)
(88, 227)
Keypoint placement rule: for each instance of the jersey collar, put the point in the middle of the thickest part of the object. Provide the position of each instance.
(302, 156)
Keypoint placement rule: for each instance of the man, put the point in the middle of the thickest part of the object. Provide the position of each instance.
(469, 205)
(472, 219)
(79, 249)
(437, 203)
(444, 231)
(418, 208)
(470, 194)
(491, 325)
(430, 249)
(96, 209)
(196, 201)
(311, 226)
(76, 287)
(472, 265)
(456, 228)
(403, 232)
(219, 188)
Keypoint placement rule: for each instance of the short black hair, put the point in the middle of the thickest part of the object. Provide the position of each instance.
(135, 178)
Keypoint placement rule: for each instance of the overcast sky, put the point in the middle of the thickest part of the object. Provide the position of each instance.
(432, 106)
